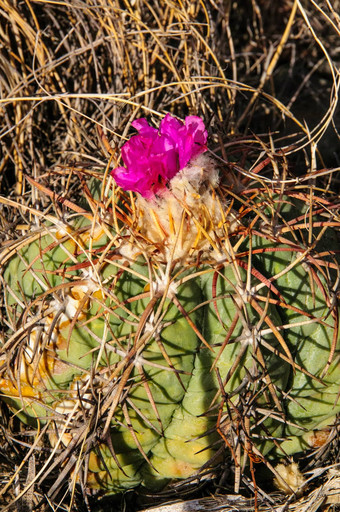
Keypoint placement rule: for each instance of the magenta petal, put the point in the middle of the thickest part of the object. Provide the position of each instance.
(153, 157)
(161, 145)
(126, 179)
(166, 164)
(144, 129)
(133, 148)
(134, 183)
(193, 140)
(170, 127)
(172, 164)
(189, 139)
(195, 126)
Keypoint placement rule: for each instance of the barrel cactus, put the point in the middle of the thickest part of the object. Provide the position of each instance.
(178, 316)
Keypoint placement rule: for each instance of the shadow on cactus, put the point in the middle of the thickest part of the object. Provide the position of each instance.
(150, 334)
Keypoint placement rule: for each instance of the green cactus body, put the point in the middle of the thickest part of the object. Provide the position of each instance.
(311, 337)
(160, 352)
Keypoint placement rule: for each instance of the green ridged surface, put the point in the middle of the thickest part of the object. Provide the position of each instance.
(176, 431)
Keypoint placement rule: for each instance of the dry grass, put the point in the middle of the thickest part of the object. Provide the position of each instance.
(73, 75)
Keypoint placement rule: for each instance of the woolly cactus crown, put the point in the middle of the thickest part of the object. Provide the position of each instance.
(175, 180)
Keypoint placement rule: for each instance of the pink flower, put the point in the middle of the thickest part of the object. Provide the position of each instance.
(154, 157)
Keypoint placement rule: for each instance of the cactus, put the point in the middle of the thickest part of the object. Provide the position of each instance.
(147, 333)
